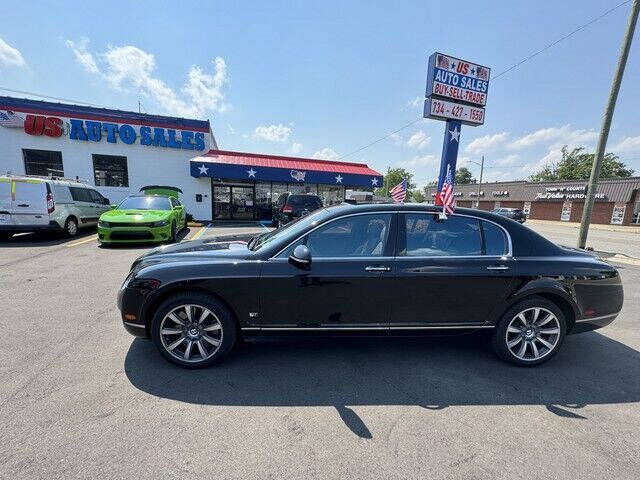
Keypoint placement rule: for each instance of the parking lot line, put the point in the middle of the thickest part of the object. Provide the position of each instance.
(200, 232)
(92, 238)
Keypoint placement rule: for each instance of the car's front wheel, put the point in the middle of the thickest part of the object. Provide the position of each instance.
(530, 332)
(193, 330)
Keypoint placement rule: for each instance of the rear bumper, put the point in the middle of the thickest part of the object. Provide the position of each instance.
(134, 234)
(50, 227)
(587, 324)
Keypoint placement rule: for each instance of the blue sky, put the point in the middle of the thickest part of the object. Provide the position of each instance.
(325, 78)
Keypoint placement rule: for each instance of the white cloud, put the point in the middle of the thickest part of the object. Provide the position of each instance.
(273, 133)
(417, 102)
(486, 143)
(130, 67)
(419, 140)
(627, 144)
(326, 154)
(296, 148)
(10, 56)
(554, 136)
(83, 57)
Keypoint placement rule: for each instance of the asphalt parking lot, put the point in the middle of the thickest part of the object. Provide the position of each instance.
(81, 398)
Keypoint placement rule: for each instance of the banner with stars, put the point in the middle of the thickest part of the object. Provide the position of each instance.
(201, 168)
(449, 154)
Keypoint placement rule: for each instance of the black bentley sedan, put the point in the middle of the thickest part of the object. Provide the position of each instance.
(358, 269)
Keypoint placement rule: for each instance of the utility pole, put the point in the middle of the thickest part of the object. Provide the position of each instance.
(480, 183)
(606, 125)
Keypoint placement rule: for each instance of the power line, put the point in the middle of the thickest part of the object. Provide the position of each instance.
(513, 67)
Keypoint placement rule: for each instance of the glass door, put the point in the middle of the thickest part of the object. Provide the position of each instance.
(242, 200)
(221, 202)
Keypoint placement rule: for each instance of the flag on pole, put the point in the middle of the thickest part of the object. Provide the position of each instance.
(446, 194)
(10, 119)
(399, 192)
(449, 155)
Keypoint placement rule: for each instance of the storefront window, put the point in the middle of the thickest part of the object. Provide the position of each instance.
(331, 194)
(278, 189)
(303, 188)
(42, 162)
(110, 171)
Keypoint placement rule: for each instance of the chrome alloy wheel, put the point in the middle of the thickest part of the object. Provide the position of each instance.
(191, 333)
(533, 334)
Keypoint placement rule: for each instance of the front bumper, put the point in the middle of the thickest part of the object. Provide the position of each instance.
(130, 303)
(142, 234)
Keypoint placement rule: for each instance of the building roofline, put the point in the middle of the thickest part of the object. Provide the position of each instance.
(282, 157)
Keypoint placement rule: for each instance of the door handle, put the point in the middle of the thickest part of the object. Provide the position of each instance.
(498, 267)
(377, 269)
(23, 205)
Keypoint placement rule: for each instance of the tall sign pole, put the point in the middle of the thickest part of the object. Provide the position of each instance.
(456, 93)
(606, 125)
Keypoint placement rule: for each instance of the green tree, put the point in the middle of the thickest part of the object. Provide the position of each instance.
(392, 178)
(576, 164)
(417, 196)
(463, 176)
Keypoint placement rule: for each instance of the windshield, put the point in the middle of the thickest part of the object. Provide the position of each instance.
(304, 201)
(291, 230)
(145, 203)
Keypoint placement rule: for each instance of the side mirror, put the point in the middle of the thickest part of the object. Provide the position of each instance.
(301, 257)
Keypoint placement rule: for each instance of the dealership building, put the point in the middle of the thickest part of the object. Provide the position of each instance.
(119, 152)
(617, 201)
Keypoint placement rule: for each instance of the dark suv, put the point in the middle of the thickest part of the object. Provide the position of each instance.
(513, 213)
(292, 205)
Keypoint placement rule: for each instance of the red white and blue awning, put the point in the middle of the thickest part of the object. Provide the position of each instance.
(275, 168)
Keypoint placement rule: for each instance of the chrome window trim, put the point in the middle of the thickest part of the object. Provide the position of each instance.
(603, 317)
(333, 220)
(508, 255)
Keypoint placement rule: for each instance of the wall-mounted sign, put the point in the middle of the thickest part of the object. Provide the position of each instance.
(565, 215)
(443, 109)
(87, 130)
(459, 80)
(475, 194)
(526, 209)
(500, 193)
(617, 216)
(562, 195)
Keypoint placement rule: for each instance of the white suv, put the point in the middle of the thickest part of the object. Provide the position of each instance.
(29, 204)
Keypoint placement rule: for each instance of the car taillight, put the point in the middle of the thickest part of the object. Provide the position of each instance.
(51, 206)
(287, 209)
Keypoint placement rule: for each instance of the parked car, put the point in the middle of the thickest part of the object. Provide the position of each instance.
(513, 213)
(290, 206)
(374, 268)
(30, 204)
(144, 218)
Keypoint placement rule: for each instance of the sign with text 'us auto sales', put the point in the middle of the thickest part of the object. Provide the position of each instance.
(456, 89)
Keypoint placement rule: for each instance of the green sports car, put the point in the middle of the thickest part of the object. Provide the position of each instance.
(144, 218)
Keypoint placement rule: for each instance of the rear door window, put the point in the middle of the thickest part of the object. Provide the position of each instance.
(495, 240)
(428, 236)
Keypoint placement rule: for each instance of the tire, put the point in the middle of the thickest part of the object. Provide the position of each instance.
(540, 335)
(219, 330)
(71, 227)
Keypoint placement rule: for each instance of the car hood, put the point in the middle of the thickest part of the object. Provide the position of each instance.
(135, 216)
(210, 248)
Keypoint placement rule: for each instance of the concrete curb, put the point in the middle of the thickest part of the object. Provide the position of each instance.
(595, 226)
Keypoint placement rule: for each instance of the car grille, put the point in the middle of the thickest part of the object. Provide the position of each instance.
(137, 224)
(131, 236)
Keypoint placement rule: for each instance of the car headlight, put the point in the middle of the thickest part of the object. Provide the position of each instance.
(162, 223)
(103, 224)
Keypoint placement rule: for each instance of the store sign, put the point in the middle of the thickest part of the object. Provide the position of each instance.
(443, 109)
(475, 194)
(526, 209)
(87, 130)
(569, 192)
(565, 215)
(500, 193)
(457, 80)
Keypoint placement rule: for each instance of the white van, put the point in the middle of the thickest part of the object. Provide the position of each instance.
(29, 204)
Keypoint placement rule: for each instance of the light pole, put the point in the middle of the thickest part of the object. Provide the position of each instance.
(606, 124)
(481, 164)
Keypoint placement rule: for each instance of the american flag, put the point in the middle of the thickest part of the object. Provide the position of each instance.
(10, 119)
(446, 194)
(399, 192)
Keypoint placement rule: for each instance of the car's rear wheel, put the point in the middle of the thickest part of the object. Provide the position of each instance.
(193, 330)
(71, 227)
(530, 332)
